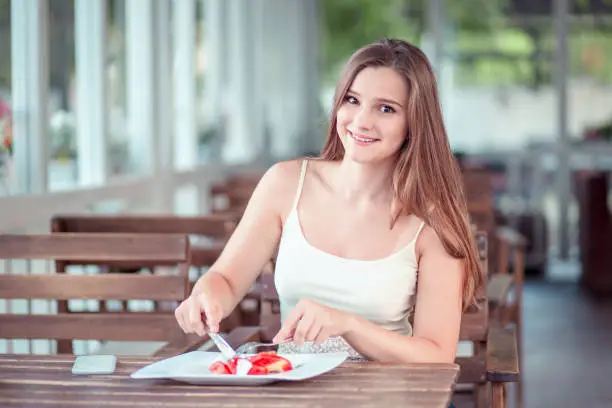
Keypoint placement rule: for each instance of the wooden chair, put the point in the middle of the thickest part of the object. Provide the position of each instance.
(213, 230)
(232, 195)
(506, 252)
(480, 198)
(505, 290)
(494, 362)
(102, 248)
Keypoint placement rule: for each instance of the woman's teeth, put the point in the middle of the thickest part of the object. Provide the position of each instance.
(362, 139)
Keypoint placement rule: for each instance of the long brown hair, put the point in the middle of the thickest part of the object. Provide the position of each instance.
(427, 181)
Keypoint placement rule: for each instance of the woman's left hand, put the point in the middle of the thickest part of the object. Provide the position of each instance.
(311, 321)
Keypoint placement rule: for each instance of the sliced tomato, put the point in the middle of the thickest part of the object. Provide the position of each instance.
(267, 362)
(219, 367)
(271, 361)
(224, 367)
(257, 370)
(233, 364)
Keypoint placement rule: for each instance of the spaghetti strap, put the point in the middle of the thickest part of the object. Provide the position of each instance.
(300, 184)
(418, 231)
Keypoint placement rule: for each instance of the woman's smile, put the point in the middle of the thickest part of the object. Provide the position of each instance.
(362, 140)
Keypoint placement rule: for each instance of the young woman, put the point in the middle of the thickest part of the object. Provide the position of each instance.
(375, 251)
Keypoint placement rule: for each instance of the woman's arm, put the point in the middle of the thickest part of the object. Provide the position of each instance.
(249, 248)
(438, 313)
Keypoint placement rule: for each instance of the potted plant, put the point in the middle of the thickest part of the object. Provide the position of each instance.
(6, 142)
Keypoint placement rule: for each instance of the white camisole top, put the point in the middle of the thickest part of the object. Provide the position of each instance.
(381, 291)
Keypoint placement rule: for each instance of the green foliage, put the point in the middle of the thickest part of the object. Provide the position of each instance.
(476, 15)
(489, 46)
(351, 24)
(5, 9)
(5, 43)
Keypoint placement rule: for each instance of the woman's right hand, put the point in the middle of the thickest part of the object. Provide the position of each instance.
(198, 312)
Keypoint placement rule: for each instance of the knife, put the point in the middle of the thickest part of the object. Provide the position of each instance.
(226, 350)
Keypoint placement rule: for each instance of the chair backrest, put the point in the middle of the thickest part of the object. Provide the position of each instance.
(246, 180)
(481, 211)
(475, 323)
(216, 228)
(478, 181)
(100, 249)
(234, 193)
(480, 198)
(479, 192)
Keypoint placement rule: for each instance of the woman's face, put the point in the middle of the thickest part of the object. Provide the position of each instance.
(372, 121)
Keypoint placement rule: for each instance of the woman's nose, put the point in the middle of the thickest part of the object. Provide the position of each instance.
(363, 119)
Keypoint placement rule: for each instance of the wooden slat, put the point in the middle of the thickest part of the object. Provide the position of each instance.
(235, 191)
(202, 256)
(250, 179)
(97, 287)
(135, 265)
(214, 225)
(502, 356)
(101, 247)
(474, 325)
(498, 287)
(483, 205)
(268, 289)
(473, 369)
(90, 326)
(474, 332)
(236, 194)
(242, 184)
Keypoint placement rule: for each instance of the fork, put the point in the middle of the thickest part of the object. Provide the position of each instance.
(243, 349)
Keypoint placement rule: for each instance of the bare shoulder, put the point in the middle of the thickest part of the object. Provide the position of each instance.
(282, 175)
(279, 184)
(429, 242)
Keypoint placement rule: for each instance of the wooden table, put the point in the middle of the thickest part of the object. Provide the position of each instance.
(47, 381)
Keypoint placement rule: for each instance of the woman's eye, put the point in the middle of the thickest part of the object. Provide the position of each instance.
(351, 99)
(387, 109)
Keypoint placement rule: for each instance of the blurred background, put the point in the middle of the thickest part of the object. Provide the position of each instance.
(115, 106)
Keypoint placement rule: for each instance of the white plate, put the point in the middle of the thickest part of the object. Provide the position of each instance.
(193, 368)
